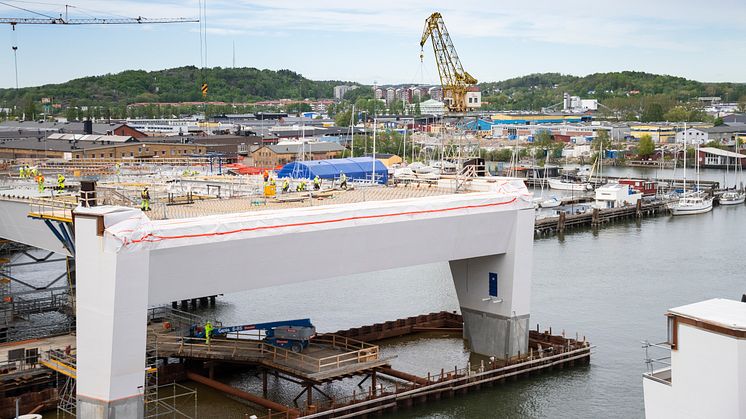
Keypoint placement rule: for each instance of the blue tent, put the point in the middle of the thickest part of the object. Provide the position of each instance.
(355, 168)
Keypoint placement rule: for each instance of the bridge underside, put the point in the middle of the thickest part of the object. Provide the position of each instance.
(126, 262)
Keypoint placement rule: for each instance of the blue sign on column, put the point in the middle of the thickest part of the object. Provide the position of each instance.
(493, 284)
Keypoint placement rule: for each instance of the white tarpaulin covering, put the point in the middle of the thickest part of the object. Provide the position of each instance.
(133, 231)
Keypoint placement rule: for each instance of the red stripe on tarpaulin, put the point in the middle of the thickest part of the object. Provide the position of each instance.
(151, 238)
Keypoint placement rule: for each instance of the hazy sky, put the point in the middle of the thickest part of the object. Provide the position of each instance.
(367, 41)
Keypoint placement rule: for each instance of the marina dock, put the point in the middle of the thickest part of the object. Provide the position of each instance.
(598, 217)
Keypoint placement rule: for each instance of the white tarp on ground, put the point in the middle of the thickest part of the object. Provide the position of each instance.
(131, 230)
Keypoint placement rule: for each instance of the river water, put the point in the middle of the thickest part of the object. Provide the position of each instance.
(612, 286)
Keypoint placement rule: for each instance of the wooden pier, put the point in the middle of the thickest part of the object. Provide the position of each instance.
(598, 217)
(547, 352)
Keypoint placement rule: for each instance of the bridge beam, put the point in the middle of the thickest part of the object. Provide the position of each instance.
(496, 320)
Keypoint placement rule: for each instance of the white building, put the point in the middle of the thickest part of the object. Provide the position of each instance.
(706, 377)
(577, 151)
(693, 136)
(432, 107)
(341, 91)
(615, 195)
(578, 105)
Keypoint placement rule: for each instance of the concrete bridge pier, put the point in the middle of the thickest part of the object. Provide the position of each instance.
(112, 301)
(494, 293)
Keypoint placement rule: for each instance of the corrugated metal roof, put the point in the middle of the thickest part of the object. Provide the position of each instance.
(92, 138)
(719, 152)
(294, 148)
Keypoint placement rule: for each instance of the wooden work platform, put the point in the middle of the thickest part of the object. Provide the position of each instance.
(43, 344)
(294, 200)
(327, 358)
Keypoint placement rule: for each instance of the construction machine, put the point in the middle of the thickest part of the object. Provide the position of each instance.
(453, 78)
(288, 334)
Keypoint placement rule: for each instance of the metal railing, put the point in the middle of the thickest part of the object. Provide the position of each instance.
(52, 209)
(254, 350)
(658, 367)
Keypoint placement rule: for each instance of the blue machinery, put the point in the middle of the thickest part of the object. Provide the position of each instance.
(288, 334)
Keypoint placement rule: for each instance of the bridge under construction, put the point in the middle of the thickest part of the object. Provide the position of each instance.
(120, 261)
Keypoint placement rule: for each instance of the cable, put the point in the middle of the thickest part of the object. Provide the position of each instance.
(26, 10)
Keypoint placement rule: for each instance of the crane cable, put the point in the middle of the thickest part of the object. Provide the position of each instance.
(202, 4)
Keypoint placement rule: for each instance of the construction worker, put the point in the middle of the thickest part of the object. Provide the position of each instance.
(301, 186)
(118, 167)
(40, 182)
(145, 195)
(266, 175)
(342, 180)
(285, 186)
(272, 182)
(317, 183)
(60, 182)
(208, 331)
(21, 172)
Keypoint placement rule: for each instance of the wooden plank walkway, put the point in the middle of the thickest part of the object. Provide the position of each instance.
(326, 358)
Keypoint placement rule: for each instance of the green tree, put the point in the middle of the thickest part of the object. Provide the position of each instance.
(677, 114)
(718, 121)
(646, 147)
(71, 113)
(602, 138)
(652, 113)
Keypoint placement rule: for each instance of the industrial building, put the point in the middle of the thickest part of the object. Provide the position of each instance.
(659, 132)
(279, 154)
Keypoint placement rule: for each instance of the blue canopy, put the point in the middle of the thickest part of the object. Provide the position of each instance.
(360, 168)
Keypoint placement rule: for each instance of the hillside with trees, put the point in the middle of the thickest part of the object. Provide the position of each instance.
(628, 93)
(180, 84)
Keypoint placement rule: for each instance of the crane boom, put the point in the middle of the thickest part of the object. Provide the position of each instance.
(453, 78)
(92, 21)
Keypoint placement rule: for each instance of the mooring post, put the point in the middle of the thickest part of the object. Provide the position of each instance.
(373, 382)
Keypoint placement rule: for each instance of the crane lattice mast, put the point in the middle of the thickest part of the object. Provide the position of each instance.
(454, 80)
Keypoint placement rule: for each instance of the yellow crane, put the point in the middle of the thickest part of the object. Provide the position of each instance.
(454, 80)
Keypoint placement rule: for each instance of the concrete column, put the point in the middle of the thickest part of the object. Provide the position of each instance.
(498, 325)
(112, 298)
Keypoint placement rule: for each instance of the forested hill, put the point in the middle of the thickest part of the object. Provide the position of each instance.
(536, 90)
(180, 84)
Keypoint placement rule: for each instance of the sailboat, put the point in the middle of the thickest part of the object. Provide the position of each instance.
(691, 203)
(736, 196)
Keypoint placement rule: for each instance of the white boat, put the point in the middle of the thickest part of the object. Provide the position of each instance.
(732, 198)
(690, 204)
(552, 202)
(563, 185)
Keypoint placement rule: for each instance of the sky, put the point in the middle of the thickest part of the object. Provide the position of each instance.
(378, 41)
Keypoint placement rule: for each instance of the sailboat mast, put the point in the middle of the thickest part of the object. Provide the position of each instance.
(684, 158)
(352, 131)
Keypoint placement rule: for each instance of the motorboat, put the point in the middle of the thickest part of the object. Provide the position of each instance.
(552, 202)
(732, 198)
(690, 204)
(565, 185)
